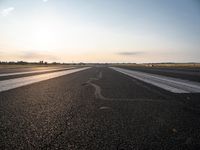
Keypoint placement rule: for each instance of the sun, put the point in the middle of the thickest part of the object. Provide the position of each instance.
(45, 33)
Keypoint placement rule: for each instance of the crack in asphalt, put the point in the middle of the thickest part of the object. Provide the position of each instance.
(99, 95)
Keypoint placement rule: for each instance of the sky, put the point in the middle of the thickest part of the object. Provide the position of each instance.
(137, 31)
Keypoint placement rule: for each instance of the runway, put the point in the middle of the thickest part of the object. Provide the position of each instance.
(31, 72)
(168, 83)
(96, 108)
(18, 82)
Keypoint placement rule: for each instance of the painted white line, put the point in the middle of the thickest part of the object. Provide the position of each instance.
(36, 71)
(168, 83)
(18, 82)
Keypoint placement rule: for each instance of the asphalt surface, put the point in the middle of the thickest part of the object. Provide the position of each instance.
(170, 84)
(6, 85)
(98, 108)
(187, 73)
(13, 69)
(30, 73)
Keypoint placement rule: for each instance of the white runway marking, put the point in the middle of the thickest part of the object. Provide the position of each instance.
(18, 82)
(168, 83)
(36, 71)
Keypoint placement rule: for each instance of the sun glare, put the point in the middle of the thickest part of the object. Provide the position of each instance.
(45, 33)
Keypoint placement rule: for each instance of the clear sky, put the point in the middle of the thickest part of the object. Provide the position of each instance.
(100, 30)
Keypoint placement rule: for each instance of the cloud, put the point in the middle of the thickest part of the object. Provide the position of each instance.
(45, 0)
(5, 12)
(31, 55)
(130, 53)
